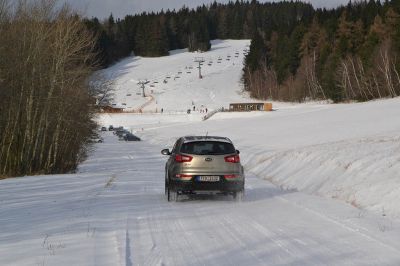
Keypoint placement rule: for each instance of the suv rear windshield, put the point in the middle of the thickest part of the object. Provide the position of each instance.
(207, 148)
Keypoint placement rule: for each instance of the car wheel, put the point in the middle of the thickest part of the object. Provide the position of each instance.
(238, 196)
(172, 195)
(166, 182)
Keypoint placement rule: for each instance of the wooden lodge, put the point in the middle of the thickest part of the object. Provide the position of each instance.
(247, 107)
(112, 109)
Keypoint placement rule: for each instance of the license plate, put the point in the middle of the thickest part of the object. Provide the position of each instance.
(208, 178)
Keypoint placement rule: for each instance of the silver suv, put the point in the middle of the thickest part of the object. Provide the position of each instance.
(203, 164)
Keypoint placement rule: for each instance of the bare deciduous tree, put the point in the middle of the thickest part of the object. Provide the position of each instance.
(102, 89)
(46, 116)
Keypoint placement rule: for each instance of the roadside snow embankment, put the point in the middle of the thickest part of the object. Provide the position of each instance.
(364, 173)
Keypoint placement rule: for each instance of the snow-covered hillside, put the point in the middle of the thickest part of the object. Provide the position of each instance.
(322, 182)
(174, 80)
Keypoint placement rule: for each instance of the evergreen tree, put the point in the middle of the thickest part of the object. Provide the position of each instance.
(294, 49)
(257, 52)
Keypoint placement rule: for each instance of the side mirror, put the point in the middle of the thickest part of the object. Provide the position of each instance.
(237, 151)
(165, 152)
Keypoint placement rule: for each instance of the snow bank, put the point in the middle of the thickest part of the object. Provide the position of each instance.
(362, 172)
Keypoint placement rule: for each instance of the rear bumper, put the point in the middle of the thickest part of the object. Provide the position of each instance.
(193, 186)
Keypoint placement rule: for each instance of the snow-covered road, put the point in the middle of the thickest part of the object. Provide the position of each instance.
(113, 212)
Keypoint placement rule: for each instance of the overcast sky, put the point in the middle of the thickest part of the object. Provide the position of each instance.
(120, 8)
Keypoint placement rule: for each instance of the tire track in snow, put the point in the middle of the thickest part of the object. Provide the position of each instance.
(128, 259)
(282, 236)
(358, 230)
(350, 227)
(289, 247)
(213, 241)
(169, 235)
(239, 236)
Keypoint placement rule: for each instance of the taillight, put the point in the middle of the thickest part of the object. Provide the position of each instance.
(184, 177)
(231, 176)
(183, 158)
(232, 159)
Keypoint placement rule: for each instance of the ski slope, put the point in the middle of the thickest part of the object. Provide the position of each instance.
(322, 183)
(174, 80)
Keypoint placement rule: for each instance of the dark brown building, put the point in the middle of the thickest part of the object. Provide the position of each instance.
(247, 107)
(112, 109)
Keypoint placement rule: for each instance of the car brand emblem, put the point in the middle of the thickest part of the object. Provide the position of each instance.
(209, 159)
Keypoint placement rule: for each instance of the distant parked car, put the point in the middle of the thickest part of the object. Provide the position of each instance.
(203, 164)
(103, 129)
(111, 128)
(115, 129)
(131, 137)
(122, 135)
(96, 139)
(119, 132)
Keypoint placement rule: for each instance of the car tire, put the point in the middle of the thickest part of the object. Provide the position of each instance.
(172, 195)
(166, 182)
(238, 196)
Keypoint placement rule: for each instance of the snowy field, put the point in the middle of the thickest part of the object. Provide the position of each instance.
(322, 183)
